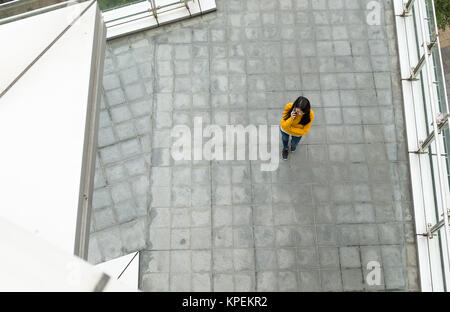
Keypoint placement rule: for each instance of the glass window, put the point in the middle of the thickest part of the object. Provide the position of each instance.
(424, 115)
(443, 255)
(446, 138)
(418, 30)
(433, 210)
(113, 4)
(13, 8)
(439, 80)
(430, 20)
(436, 261)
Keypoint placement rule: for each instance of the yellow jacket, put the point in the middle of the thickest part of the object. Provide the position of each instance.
(292, 126)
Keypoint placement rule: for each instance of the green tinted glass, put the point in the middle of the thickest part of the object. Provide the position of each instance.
(111, 4)
(15, 10)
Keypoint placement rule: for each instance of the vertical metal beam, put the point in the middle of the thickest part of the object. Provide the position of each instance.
(90, 139)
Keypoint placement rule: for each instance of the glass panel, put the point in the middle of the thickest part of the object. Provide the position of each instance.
(436, 261)
(439, 80)
(426, 105)
(417, 29)
(446, 139)
(113, 4)
(435, 215)
(14, 8)
(430, 20)
(445, 267)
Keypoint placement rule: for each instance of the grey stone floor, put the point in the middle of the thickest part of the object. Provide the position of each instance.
(341, 201)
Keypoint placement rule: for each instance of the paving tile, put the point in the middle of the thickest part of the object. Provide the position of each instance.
(109, 243)
(223, 282)
(243, 260)
(266, 281)
(159, 239)
(115, 173)
(104, 218)
(393, 256)
(155, 282)
(352, 280)
(286, 259)
(180, 282)
(244, 282)
(201, 261)
(390, 233)
(243, 237)
(287, 281)
(309, 281)
(201, 282)
(115, 97)
(102, 198)
(201, 238)
(349, 257)
(125, 211)
(133, 235)
(222, 260)
(394, 278)
(264, 236)
(110, 154)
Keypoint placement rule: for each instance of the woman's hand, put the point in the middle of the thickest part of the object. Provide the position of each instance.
(293, 115)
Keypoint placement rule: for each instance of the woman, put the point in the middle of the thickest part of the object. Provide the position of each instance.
(296, 122)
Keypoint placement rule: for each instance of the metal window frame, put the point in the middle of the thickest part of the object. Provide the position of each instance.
(150, 14)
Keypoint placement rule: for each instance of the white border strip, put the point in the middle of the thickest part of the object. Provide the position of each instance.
(118, 24)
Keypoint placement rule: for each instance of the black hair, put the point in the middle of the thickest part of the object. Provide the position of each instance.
(305, 106)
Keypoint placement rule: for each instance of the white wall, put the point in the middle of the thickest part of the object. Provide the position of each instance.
(42, 123)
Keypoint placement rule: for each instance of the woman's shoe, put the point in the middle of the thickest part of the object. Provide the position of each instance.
(285, 153)
(293, 149)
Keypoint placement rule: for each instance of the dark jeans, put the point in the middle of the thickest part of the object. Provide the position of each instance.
(285, 139)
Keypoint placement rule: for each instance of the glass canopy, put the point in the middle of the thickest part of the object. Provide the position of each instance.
(427, 119)
(112, 4)
(15, 10)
